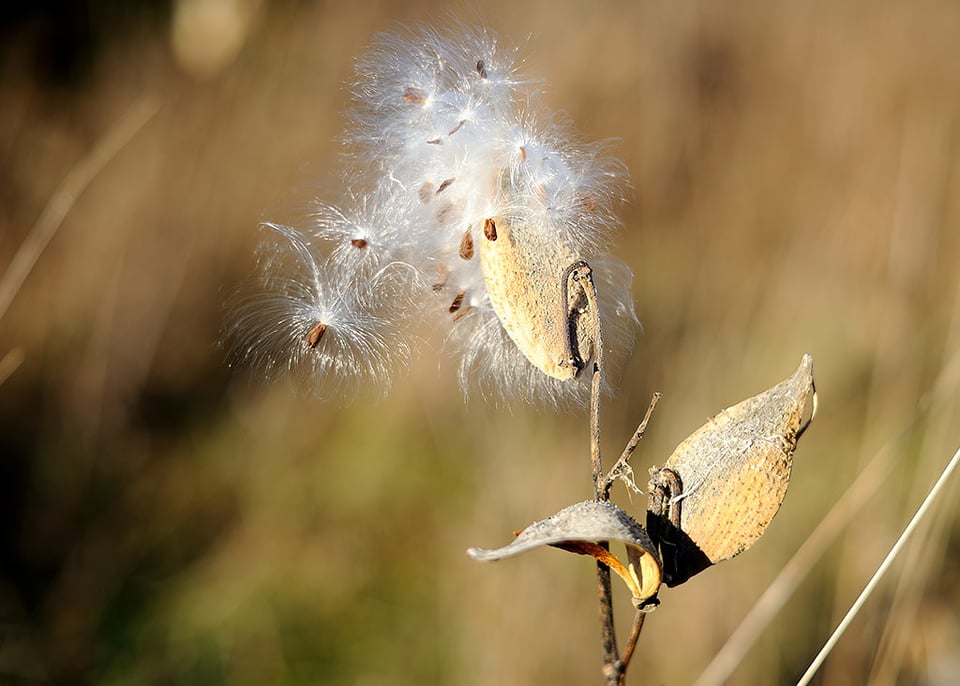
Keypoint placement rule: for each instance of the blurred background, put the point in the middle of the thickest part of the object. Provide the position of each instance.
(166, 520)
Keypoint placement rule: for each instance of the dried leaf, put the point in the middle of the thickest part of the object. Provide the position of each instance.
(722, 486)
(580, 529)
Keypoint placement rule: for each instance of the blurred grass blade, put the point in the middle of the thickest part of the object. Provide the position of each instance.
(63, 199)
(881, 571)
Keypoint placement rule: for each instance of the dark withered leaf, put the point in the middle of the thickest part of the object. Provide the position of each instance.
(733, 474)
(580, 529)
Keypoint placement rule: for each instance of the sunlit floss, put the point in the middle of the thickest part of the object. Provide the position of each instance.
(468, 202)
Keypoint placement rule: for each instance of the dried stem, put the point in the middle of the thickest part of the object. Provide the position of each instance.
(608, 631)
(614, 665)
(622, 466)
(632, 641)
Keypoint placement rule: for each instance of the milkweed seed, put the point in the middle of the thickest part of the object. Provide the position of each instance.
(457, 127)
(443, 214)
(435, 141)
(466, 245)
(490, 229)
(315, 334)
(359, 243)
(444, 185)
(482, 69)
(426, 192)
(523, 154)
(442, 274)
(457, 302)
(462, 313)
(589, 204)
(414, 95)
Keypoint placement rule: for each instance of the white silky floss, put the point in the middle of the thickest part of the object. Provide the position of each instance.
(469, 200)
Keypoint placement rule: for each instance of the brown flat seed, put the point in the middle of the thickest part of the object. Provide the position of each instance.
(462, 313)
(435, 141)
(466, 245)
(589, 204)
(481, 69)
(442, 274)
(457, 127)
(426, 192)
(443, 214)
(315, 334)
(414, 95)
(359, 243)
(444, 185)
(490, 229)
(523, 154)
(457, 302)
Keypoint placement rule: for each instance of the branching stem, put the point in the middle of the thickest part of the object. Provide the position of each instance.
(614, 664)
(622, 466)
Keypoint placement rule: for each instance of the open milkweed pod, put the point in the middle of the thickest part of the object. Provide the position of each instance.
(580, 529)
(723, 484)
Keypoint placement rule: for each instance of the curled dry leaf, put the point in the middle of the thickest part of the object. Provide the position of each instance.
(722, 486)
(581, 528)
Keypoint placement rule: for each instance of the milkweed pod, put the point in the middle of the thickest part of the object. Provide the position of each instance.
(724, 483)
(526, 270)
(581, 529)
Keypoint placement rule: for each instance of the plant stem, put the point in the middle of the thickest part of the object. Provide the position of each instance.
(614, 667)
(621, 466)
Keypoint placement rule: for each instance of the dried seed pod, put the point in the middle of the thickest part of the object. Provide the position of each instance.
(724, 483)
(526, 271)
(580, 529)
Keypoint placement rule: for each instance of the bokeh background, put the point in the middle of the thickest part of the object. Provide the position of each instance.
(166, 520)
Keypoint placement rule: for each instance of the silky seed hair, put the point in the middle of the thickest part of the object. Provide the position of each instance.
(466, 199)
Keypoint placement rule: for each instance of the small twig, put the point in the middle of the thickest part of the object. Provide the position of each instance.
(608, 631)
(622, 465)
(632, 641)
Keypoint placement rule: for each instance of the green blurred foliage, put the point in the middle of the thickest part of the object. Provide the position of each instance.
(795, 169)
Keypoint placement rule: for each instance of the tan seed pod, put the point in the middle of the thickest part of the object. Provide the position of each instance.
(526, 272)
(581, 529)
(723, 484)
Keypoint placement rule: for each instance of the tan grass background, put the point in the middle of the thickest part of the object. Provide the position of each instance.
(795, 171)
